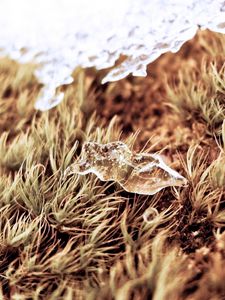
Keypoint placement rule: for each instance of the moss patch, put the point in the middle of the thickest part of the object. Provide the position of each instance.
(80, 238)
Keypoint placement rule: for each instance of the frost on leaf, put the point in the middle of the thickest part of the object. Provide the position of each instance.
(140, 173)
(60, 35)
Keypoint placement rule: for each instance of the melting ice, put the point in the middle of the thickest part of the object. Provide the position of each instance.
(140, 173)
(59, 35)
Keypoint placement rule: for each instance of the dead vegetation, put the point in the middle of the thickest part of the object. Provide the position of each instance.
(80, 238)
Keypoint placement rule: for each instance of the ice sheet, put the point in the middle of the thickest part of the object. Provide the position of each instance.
(59, 35)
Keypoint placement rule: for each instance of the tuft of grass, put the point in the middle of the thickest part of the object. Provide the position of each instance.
(200, 96)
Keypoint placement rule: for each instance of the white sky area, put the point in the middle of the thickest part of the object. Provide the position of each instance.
(59, 35)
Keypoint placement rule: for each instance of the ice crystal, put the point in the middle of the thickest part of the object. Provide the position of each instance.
(59, 35)
(150, 215)
(140, 173)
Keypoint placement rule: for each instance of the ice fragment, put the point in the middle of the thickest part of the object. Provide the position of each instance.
(140, 173)
(150, 215)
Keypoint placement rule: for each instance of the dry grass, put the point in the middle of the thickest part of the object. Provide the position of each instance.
(80, 238)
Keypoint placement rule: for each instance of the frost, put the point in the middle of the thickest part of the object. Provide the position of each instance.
(59, 35)
(140, 173)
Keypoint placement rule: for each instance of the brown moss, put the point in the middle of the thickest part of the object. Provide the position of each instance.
(80, 238)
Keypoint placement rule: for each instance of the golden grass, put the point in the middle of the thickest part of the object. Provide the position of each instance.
(80, 238)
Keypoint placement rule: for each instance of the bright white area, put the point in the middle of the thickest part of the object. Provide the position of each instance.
(59, 35)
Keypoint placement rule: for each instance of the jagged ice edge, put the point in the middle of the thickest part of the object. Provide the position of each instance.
(60, 35)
